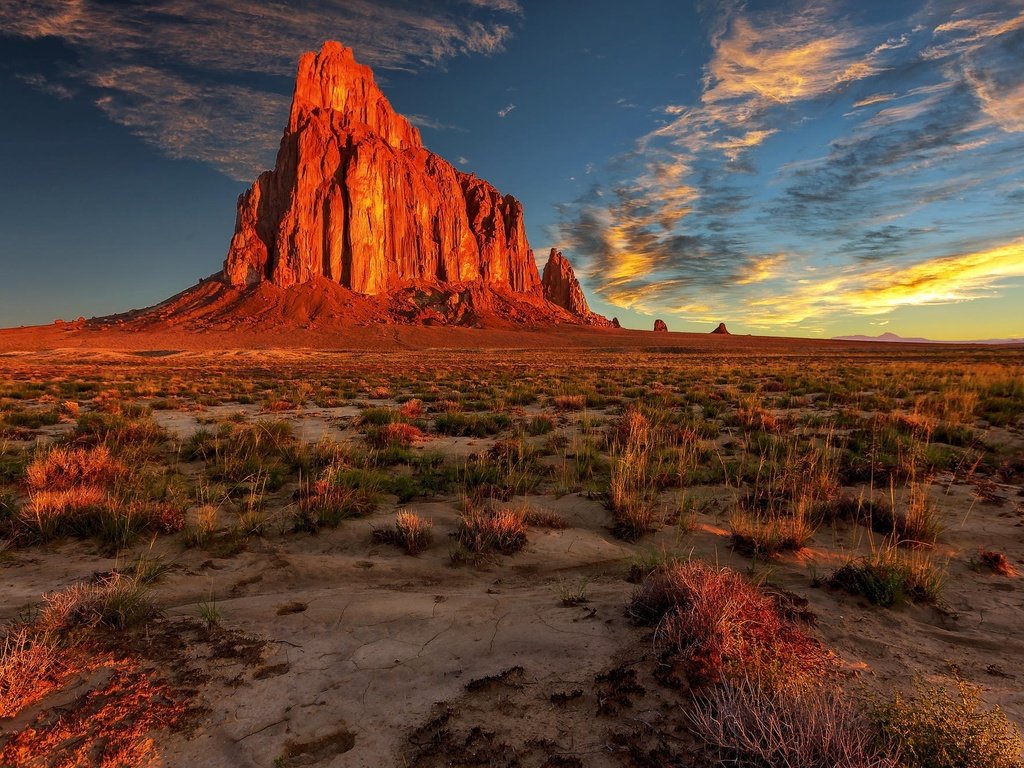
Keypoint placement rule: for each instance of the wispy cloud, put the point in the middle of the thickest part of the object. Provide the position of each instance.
(942, 280)
(822, 143)
(180, 73)
(422, 121)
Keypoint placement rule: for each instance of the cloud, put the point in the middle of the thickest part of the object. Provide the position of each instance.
(760, 269)
(196, 79)
(422, 121)
(943, 280)
(506, 6)
(827, 154)
(506, 110)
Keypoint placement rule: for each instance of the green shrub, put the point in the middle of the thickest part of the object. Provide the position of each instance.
(936, 727)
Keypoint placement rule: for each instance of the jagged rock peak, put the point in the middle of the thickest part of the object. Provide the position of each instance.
(355, 199)
(332, 80)
(659, 325)
(561, 286)
(721, 329)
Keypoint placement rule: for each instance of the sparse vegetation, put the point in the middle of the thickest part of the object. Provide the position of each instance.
(709, 483)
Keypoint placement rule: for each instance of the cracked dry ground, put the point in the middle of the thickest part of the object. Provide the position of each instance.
(331, 649)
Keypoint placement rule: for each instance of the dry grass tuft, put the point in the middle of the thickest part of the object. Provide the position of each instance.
(411, 532)
(889, 576)
(751, 726)
(488, 531)
(65, 468)
(713, 624)
(631, 489)
(395, 434)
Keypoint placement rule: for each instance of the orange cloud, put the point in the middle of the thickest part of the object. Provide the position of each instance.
(944, 280)
(759, 270)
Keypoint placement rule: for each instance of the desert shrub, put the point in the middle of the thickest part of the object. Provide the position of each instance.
(507, 469)
(766, 534)
(544, 518)
(994, 561)
(888, 577)
(340, 493)
(432, 475)
(411, 532)
(919, 523)
(520, 396)
(391, 435)
(539, 425)
(51, 514)
(379, 416)
(266, 450)
(712, 623)
(631, 487)
(412, 409)
(201, 444)
(30, 668)
(119, 432)
(62, 468)
(752, 726)
(471, 424)
(570, 402)
(936, 727)
(114, 600)
(31, 418)
(484, 532)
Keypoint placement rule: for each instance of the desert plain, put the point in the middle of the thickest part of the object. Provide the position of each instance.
(581, 549)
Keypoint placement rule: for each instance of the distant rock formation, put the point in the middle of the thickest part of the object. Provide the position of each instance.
(721, 329)
(659, 325)
(615, 323)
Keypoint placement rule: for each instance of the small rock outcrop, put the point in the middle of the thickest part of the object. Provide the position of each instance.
(659, 325)
(561, 286)
(615, 323)
(722, 330)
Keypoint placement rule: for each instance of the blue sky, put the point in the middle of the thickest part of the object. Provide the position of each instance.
(803, 168)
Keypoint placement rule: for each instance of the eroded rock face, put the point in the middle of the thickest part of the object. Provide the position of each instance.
(355, 198)
(561, 286)
(615, 323)
(721, 329)
(659, 325)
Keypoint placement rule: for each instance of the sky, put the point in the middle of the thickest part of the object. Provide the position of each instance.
(806, 168)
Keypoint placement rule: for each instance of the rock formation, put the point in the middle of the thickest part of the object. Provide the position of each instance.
(561, 286)
(356, 199)
(659, 325)
(615, 323)
(721, 329)
(359, 224)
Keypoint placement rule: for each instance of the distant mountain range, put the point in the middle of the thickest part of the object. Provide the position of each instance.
(892, 337)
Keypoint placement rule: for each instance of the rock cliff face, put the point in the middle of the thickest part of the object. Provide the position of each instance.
(356, 199)
(659, 325)
(721, 330)
(561, 286)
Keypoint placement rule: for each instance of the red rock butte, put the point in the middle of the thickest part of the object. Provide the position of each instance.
(356, 200)
(359, 224)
